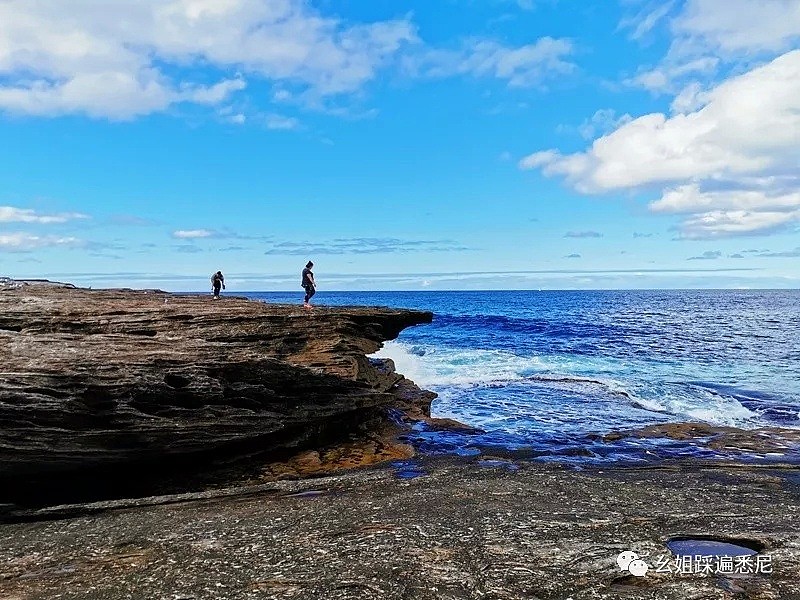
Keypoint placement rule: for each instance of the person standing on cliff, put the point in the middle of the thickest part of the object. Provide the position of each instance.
(217, 282)
(309, 285)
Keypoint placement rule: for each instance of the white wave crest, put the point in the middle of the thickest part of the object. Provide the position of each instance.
(432, 368)
(446, 370)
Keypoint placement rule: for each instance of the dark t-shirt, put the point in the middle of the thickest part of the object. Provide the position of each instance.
(217, 280)
(307, 277)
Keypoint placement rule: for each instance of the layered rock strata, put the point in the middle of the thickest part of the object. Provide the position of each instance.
(122, 384)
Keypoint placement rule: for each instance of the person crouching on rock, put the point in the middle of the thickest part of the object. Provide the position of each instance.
(309, 285)
(217, 282)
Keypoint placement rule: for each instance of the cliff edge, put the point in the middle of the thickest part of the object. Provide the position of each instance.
(122, 385)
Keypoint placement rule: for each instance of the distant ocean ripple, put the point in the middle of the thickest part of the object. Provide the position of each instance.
(547, 372)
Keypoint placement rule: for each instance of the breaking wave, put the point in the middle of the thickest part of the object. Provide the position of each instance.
(524, 381)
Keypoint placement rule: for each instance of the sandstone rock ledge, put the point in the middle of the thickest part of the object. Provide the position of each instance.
(104, 387)
(463, 531)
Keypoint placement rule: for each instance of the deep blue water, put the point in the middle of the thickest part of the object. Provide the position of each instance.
(546, 372)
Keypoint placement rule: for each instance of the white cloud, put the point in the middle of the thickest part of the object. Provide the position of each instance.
(725, 213)
(11, 214)
(689, 99)
(275, 121)
(707, 255)
(739, 26)
(192, 234)
(749, 125)
(602, 121)
(523, 66)
(731, 163)
(237, 119)
(663, 78)
(118, 61)
(712, 35)
(116, 95)
(719, 224)
(689, 199)
(643, 22)
(138, 57)
(722, 27)
(214, 94)
(23, 242)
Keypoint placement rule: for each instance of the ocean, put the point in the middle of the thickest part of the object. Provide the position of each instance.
(547, 373)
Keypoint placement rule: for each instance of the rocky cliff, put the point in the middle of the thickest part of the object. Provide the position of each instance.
(119, 386)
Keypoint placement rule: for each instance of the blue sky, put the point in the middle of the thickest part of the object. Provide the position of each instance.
(449, 144)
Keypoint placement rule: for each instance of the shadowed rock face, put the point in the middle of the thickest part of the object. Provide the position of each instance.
(118, 383)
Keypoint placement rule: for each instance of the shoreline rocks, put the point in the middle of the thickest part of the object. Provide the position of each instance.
(730, 440)
(107, 392)
(463, 530)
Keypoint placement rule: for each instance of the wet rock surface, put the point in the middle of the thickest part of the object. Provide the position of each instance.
(108, 389)
(730, 440)
(460, 531)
